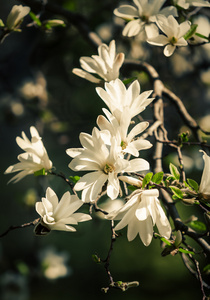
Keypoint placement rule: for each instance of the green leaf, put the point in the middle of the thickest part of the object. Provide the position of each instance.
(146, 179)
(197, 226)
(132, 188)
(129, 80)
(96, 258)
(35, 19)
(165, 241)
(206, 269)
(191, 32)
(170, 178)
(177, 192)
(74, 178)
(157, 178)
(183, 137)
(22, 268)
(185, 251)
(202, 36)
(193, 184)
(174, 171)
(40, 172)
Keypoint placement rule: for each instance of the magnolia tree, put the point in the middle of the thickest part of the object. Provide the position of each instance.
(108, 165)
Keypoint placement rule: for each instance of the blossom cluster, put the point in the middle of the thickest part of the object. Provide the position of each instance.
(158, 23)
(112, 152)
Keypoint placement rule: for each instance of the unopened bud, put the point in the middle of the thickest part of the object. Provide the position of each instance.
(190, 201)
(178, 239)
(54, 23)
(131, 180)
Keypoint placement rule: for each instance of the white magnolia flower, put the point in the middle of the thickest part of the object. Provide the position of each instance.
(140, 214)
(16, 15)
(203, 28)
(57, 215)
(118, 98)
(142, 16)
(106, 64)
(34, 159)
(204, 188)
(104, 162)
(174, 34)
(127, 142)
(187, 3)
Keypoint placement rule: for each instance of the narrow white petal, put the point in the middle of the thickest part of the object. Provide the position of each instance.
(85, 75)
(126, 11)
(205, 179)
(160, 40)
(73, 152)
(80, 217)
(52, 197)
(169, 50)
(136, 165)
(146, 231)
(133, 229)
(133, 28)
(87, 180)
(40, 208)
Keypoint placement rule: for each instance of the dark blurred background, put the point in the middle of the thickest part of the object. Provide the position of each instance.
(37, 88)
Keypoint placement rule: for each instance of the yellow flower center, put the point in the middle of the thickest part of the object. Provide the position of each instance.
(145, 18)
(123, 145)
(173, 40)
(108, 168)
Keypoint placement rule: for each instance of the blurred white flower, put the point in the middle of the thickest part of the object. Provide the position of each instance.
(204, 188)
(57, 215)
(54, 263)
(140, 214)
(187, 3)
(106, 64)
(203, 28)
(118, 98)
(16, 15)
(174, 34)
(141, 17)
(34, 159)
(127, 142)
(105, 163)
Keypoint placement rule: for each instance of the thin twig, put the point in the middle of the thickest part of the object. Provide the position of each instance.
(13, 227)
(61, 175)
(107, 260)
(73, 18)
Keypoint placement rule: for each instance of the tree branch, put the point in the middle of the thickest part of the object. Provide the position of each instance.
(13, 227)
(75, 19)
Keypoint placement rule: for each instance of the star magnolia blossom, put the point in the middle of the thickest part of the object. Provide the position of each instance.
(118, 98)
(34, 159)
(106, 64)
(57, 215)
(187, 3)
(126, 141)
(16, 15)
(204, 188)
(174, 34)
(142, 16)
(105, 163)
(140, 214)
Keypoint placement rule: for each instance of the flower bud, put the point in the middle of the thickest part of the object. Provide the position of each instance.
(16, 15)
